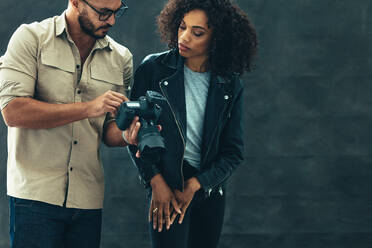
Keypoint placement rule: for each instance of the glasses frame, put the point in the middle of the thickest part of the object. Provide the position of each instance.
(104, 16)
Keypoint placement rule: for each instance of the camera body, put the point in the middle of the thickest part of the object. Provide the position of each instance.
(147, 108)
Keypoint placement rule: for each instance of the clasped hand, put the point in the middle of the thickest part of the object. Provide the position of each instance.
(167, 204)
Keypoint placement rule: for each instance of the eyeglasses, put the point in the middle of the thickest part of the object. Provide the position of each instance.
(104, 16)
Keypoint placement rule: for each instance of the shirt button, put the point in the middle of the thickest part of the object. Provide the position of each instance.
(78, 67)
(71, 169)
(165, 83)
(75, 142)
(79, 91)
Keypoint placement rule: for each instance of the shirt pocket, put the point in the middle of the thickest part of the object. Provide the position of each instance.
(55, 78)
(103, 77)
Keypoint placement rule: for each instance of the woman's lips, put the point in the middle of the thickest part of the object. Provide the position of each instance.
(183, 48)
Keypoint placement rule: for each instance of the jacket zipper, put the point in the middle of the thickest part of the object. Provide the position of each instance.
(179, 130)
(215, 130)
(206, 153)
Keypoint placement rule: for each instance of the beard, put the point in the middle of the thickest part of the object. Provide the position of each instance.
(88, 27)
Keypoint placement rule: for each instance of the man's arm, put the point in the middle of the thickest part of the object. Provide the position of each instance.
(25, 112)
(113, 136)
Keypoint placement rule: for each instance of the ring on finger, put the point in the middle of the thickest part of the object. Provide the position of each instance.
(155, 210)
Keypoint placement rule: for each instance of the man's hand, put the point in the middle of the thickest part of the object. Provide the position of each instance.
(108, 102)
(162, 202)
(184, 198)
(130, 134)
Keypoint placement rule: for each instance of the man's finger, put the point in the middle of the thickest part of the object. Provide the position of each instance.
(114, 99)
(130, 130)
(138, 155)
(134, 133)
(119, 95)
(132, 125)
(111, 103)
(111, 110)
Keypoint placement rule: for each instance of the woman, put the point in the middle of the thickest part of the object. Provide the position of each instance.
(212, 43)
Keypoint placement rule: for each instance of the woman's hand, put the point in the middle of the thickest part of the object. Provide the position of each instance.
(162, 201)
(184, 198)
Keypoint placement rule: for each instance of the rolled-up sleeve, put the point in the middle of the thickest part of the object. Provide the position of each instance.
(18, 66)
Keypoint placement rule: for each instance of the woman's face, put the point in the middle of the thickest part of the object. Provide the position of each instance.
(194, 35)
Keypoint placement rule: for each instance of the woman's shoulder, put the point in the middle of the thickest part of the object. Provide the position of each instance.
(233, 82)
(156, 57)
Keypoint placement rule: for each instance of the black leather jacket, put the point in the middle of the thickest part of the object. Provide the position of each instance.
(222, 141)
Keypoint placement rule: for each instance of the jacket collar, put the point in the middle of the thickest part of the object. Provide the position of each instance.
(175, 61)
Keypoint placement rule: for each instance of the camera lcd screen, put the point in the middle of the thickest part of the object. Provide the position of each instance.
(133, 104)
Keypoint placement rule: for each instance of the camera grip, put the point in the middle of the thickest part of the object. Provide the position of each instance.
(124, 117)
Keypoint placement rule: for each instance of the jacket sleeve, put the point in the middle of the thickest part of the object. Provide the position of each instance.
(230, 152)
(142, 83)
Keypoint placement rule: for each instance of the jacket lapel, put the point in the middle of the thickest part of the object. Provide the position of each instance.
(175, 89)
(217, 100)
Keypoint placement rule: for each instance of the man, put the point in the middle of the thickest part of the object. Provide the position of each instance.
(61, 83)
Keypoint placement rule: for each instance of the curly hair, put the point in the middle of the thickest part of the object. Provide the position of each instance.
(234, 40)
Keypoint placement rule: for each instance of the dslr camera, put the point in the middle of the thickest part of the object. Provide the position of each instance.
(147, 108)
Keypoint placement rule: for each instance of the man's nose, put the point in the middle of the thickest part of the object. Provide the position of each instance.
(111, 20)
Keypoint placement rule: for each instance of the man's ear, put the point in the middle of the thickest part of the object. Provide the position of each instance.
(74, 3)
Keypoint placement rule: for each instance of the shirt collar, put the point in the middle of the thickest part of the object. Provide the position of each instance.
(104, 43)
(61, 27)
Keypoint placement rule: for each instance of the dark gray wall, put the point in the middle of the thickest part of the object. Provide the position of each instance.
(306, 179)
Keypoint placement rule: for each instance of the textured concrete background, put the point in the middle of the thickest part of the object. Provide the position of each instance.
(306, 179)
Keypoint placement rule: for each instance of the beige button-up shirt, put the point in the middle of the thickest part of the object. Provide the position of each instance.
(59, 165)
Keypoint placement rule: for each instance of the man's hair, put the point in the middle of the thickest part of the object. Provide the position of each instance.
(234, 40)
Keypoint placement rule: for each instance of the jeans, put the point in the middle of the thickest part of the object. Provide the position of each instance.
(201, 226)
(35, 224)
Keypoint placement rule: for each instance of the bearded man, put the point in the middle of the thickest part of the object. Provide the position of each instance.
(61, 83)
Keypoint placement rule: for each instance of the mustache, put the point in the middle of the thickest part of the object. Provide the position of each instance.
(104, 27)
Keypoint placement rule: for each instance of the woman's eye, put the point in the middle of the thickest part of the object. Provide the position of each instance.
(198, 34)
(182, 27)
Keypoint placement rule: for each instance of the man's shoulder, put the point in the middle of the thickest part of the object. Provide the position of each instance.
(39, 27)
(32, 34)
